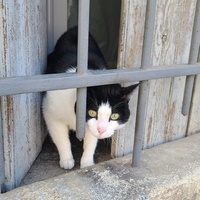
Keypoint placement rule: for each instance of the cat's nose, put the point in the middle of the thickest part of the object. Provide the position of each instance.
(101, 130)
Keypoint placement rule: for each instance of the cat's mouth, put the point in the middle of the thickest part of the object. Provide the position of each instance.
(104, 135)
(102, 129)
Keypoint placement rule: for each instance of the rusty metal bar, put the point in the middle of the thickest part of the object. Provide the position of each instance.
(83, 33)
(194, 50)
(143, 89)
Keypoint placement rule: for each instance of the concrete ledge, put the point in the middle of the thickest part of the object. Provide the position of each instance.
(168, 172)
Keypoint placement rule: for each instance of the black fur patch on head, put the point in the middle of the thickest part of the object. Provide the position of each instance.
(117, 97)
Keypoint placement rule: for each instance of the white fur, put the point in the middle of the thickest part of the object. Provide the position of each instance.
(58, 109)
(59, 117)
(71, 70)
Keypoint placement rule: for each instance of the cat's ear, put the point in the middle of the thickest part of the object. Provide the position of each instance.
(127, 91)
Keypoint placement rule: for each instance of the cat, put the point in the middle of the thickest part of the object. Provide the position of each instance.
(107, 105)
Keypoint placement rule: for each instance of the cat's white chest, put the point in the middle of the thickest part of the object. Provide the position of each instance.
(59, 105)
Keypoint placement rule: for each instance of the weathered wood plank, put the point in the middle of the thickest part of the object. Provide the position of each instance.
(129, 56)
(24, 45)
(164, 120)
(172, 37)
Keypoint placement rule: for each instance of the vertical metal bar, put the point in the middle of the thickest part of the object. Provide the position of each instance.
(50, 25)
(83, 33)
(59, 18)
(194, 50)
(143, 89)
(2, 172)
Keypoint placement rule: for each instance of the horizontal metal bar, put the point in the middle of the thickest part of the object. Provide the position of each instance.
(40, 83)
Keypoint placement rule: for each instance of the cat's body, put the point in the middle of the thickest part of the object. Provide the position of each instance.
(107, 106)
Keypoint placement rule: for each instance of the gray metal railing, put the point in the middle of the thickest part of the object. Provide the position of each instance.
(143, 89)
(193, 57)
(83, 33)
(40, 83)
(2, 175)
(84, 78)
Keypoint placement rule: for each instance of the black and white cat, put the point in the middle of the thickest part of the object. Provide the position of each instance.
(107, 106)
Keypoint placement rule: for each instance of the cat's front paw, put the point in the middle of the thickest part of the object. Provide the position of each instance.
(67, 164)
(86, 162)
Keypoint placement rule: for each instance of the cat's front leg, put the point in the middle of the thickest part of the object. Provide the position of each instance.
(60, 136)
(89, 146)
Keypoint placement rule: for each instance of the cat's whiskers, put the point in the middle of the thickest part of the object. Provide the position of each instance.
(93, 100)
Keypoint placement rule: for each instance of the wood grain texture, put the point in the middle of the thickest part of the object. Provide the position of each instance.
(23, 53)
(129, 56)
(172, 38)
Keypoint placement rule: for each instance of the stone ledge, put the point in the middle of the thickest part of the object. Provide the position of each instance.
(168, 172)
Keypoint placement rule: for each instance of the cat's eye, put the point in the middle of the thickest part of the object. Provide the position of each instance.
(92, 113)
(114, 116)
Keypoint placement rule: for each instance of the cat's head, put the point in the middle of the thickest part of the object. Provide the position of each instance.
(107, 109)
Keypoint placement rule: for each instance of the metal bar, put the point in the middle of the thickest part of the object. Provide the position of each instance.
(83, 33)
(143, 89)
(59, 19)
(2, 164)
(194, 50)
(50, 25)
(40, 83)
